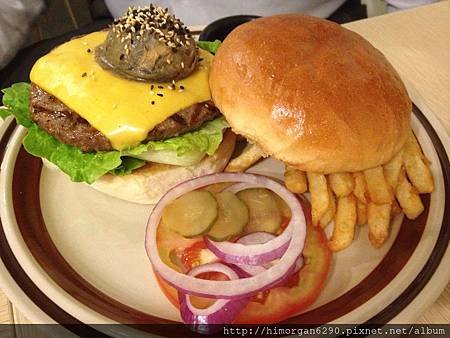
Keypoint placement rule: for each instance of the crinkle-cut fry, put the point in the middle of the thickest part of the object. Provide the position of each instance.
(295, 180)
(249, 156)
(341, 183)
(318, 187)
(360, 190)
(379, 190)
(408, 198)
(392, 169)
(416, 166)
(331, 211)
(344, 224)
(378, 220)
(361, 212)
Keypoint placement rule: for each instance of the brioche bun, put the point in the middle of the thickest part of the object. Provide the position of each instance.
(311, 94)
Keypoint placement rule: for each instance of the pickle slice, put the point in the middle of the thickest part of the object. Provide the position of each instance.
(232, 217)
(192, 214)
(264, 212)
(284, 208)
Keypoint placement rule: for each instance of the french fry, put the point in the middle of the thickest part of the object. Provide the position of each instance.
(344, 224)
(295, 180)
(361, 213)
(378, 219)
(360, 190)
(396, 209)
(408, 198)
(392, 169)
(416, 166)
(250, 155)
(319, 195)
(379, 191)
(341, 183)
(331, 211)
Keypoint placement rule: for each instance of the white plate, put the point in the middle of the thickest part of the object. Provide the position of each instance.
(101, 239)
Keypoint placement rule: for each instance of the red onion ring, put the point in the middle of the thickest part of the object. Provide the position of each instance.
(223, 311)
(296, 229)
(255, 238)
(255, 254)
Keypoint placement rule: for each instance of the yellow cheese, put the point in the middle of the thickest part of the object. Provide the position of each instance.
(119, 108)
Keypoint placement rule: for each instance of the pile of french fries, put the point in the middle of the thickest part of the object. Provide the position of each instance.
(370, 197)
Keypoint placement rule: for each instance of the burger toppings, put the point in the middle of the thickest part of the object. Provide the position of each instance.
(119, 108)
(256, 262)
(68, 127)
(148, 44)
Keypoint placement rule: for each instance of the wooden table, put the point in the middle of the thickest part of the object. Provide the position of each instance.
(417, 43)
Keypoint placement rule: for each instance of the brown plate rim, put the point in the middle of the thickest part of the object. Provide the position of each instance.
(59, 315)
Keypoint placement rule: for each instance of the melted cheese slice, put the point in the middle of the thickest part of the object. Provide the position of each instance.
(119, 108)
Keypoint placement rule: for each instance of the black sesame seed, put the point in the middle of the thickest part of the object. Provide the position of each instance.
(182, 87)
(152, 86)
(160, 87)
(153, 102)
(84, 74)
(121, 56)
(159, 94)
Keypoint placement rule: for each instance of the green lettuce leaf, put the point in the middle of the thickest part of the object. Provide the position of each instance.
(206, 139)
(81, 167)
(88, 167)
(16, 101)
(210, 46)
(128, 165)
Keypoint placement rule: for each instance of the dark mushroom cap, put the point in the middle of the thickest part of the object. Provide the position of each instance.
(148, 44)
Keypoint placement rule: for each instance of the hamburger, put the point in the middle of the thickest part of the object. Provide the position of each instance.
(127, 110)
(326, 103)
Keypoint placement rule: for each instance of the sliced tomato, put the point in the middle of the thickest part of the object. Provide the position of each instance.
(272, 306)
(299, 291)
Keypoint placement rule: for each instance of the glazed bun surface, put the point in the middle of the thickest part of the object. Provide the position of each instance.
(311, 94)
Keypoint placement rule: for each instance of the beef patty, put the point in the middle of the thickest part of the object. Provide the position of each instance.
(70, 128)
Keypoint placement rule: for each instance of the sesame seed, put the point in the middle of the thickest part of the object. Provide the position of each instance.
(182, 64)
(153, 102)
(84, 74)
(159, 94)
(160, 87)
(152, 86)
(153, 20)
(182, 87)
(88, 50)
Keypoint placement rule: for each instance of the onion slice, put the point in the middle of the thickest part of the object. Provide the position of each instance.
(246, 270)
(223, 311)
(296, 230)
